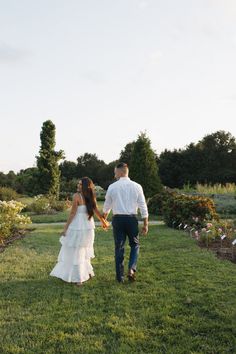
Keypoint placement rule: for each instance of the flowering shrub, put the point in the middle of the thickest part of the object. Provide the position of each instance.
(217, 231)
(11, 219)
(100, 193)
(190, 210)
(40, 205)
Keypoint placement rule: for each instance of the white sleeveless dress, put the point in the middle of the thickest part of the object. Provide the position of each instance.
(73, 264)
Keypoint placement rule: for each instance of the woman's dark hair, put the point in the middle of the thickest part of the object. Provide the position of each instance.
(89, 195)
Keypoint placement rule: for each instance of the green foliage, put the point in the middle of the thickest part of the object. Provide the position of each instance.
(143, 166)
(8, 194)
(100, 193)
(126, 154)
(68, 188)
(212, 160)
(107, 174)
(156, 203)
(47, 161)
(47, 205)
(41, 205)
(27, 181)
(89, 165)
(68, 171)
(8, 179)
(60, 205)
(191, 210)
(11, 218)
(213, 231)
(224, 196)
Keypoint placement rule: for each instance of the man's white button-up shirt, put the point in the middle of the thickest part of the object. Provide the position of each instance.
(125, 197)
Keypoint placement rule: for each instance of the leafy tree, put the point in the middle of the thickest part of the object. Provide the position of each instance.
(27, 181)
(171, 168)
(68, 170)
(8, 179)
(89, 165)
(143, 166)
(107, 174)
(212, 160)
(47, 161)
(218, 152)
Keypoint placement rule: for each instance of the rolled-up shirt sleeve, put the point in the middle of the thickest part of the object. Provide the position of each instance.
(108, 202)
(142, 205)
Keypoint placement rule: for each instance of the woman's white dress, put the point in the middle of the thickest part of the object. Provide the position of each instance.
(73, 264)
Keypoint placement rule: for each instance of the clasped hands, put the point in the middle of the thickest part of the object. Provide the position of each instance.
(105, 223)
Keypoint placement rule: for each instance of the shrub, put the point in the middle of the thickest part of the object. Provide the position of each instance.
(8, 194)
(100, 193)
(48, 205)
(65, 195)
(213, 231)
(156, 203)
(41, 205)
(60, 205)
(191, 210)
(11, 219)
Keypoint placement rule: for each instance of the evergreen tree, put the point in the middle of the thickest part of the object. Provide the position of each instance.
(47, 161)
(125, 155)
(143, 166)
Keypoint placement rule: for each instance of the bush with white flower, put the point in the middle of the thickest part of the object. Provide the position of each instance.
(11, 219)
(100, 193)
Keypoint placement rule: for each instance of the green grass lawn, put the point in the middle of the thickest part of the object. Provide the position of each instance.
(184, 300)
(62, 216)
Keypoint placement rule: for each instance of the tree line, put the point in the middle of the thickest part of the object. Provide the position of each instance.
(211, 160)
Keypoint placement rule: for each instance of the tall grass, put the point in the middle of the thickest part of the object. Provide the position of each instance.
(218, 188)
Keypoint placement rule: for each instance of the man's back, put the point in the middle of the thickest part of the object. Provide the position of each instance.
(125, 197)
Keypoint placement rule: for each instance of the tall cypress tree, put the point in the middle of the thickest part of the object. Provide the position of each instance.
(143, 166)
(125, 155)
(47, 161)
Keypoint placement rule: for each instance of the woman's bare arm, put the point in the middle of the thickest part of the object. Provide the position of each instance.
(72, 213)
(105, 223)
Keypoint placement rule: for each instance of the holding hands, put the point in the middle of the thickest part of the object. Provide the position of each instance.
(105, 223)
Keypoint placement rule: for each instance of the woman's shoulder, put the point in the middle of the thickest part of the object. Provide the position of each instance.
(76, 198)
(79, 198)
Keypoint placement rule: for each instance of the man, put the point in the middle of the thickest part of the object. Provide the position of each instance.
(125, 197)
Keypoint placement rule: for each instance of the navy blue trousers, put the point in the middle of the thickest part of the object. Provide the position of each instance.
(125, 226)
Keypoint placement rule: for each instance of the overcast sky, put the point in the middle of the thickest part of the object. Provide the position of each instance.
(104, 70)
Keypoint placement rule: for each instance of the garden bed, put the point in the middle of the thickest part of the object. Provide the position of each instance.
(223, 249)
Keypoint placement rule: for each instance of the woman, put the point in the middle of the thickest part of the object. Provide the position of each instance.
(78, 236)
